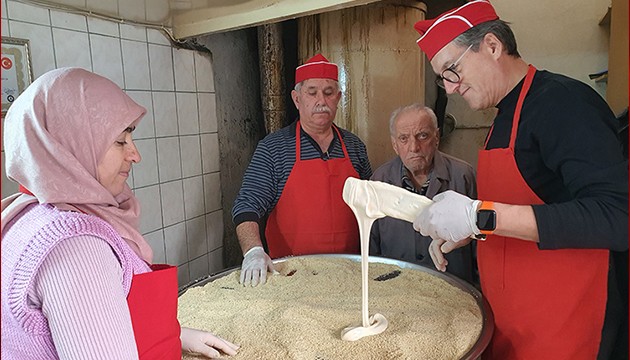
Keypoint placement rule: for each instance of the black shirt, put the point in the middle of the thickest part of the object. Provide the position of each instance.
(568, 153)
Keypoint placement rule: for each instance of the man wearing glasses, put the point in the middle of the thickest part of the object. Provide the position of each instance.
(553, 190)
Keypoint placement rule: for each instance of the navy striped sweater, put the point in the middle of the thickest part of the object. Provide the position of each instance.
(273, 161)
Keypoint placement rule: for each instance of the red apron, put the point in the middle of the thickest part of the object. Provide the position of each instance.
(311, 216)
(547, 304)
(152, 303)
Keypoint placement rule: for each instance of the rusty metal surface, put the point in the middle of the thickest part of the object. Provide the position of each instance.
(380, 65)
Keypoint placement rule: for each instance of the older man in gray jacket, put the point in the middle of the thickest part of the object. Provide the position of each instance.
(421, 168)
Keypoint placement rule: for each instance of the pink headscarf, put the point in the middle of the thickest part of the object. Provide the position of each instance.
(55, 135)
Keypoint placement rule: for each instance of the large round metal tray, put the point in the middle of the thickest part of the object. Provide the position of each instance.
(486, 312)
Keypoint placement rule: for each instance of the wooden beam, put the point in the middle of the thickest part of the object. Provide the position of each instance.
(242, 14)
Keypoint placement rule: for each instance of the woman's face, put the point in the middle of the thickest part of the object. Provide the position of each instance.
(113, 170)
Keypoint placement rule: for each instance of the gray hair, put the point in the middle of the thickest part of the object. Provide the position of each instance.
(298, 86)
(499, 28)
(416, 107)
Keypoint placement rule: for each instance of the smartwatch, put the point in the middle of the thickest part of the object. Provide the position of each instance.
(486, 218)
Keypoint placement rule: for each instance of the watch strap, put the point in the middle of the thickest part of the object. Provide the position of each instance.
(486, 205)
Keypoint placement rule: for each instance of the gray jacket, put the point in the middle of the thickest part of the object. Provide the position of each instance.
(397, 239)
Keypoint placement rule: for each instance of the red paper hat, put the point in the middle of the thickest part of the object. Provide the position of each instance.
(437, 33)
(317, 67)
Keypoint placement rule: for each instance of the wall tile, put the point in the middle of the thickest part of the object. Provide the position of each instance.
(193, 203)
(175, 241)
(146, 128)
(131, 32)
(184, 70)
(207, 112)
(196, 237)
(107, 58)
(161, 67)
(66, 43)
(41, 45)
(157, 37)
(187, 113)
(183, 277)
(165, 114)
(205, 75)
(214, 229)
(102, 27)
(5, 28)
(3, 10)
(129, 180)
(210, 152)
(146, 171)
(169, 160)
(135, 57)
(156, 240)
(215, 261)
(28, 13)
(198, 267)
(191, 152)
(150, 206)
(212, 191)
(173, 200)
(68, 21)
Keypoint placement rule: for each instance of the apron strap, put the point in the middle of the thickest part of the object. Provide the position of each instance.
(519, 104)
(517, 112)
(298, 145)
(298, 135)
(343, 145)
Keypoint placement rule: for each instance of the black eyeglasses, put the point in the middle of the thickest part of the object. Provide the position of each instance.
(449, 74)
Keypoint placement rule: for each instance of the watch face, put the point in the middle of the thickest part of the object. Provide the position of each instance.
(486, 220)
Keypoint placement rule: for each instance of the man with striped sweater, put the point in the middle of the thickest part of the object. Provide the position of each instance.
(295, 180)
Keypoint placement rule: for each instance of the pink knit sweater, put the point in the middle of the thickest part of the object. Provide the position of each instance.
(28, 243)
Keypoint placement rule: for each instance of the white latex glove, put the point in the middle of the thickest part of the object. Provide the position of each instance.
(439, 247)
(452, 217)
(256, 263)
(435, 251)
(204, 343)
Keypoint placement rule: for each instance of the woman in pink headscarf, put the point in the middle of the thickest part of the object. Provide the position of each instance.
(77, 277)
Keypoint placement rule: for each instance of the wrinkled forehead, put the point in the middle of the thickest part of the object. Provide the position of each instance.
(414, 120)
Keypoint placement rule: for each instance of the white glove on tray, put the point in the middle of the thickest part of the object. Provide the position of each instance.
(256, 263)
(452, 217)
(205, 343)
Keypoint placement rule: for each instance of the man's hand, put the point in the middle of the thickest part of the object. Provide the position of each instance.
(205, 343)
(256, 263)
(439, 247)
(452, 217)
